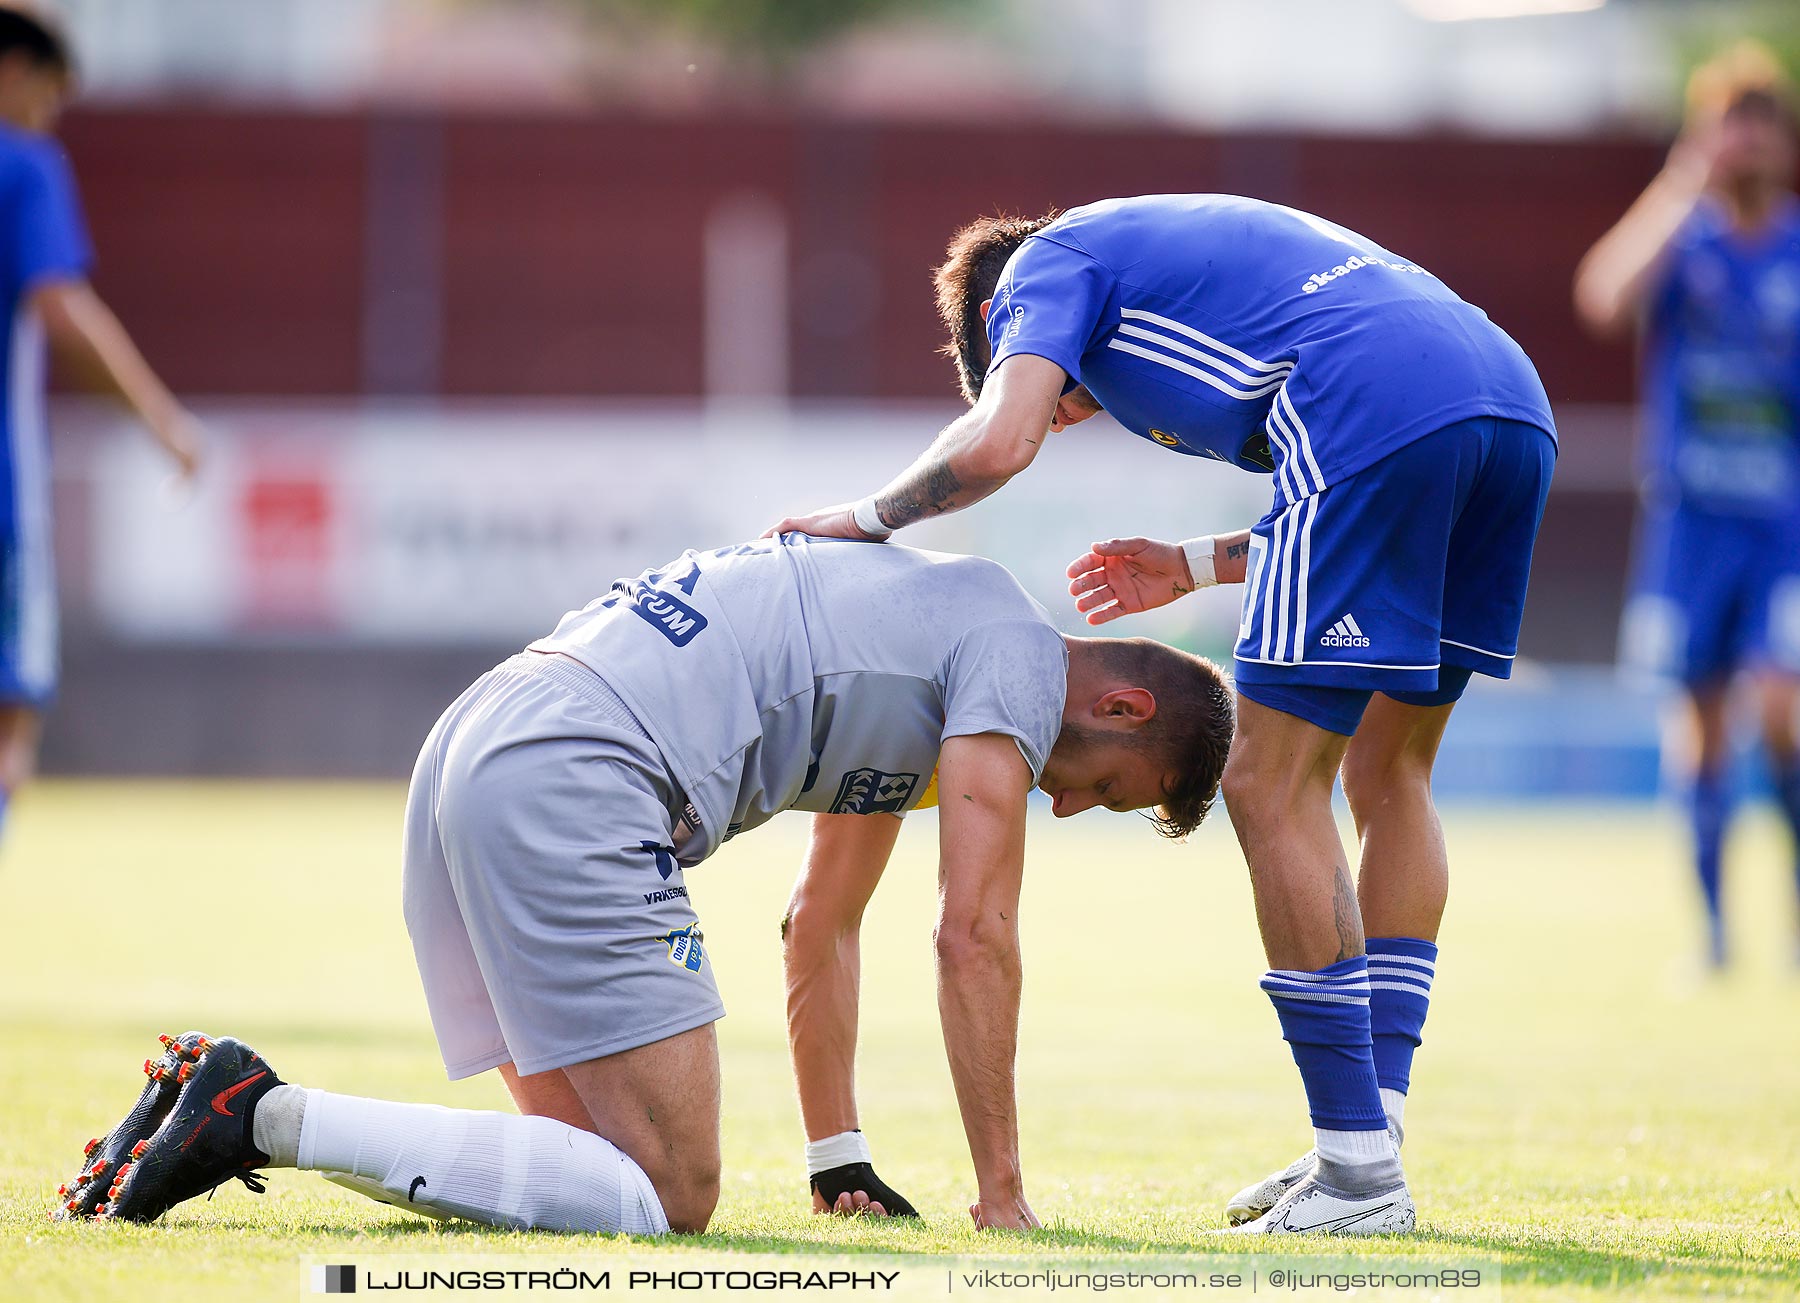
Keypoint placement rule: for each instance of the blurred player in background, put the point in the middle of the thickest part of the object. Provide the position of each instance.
(44, 258)
(1707, 262)
(1411, 444)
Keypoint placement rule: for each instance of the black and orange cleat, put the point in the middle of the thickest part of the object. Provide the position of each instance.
(205, 1140)
(103, 1157)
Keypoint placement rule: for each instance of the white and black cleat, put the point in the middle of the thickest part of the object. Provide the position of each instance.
(1254, 1200)
(1310, 1207)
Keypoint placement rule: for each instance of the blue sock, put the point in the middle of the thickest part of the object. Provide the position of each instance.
(1400, 973)
(1709, 808)
(1325, 1021)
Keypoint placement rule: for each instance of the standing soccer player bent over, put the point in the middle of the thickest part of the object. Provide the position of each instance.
(1411, 445)
(556, 810)
(1708, 262)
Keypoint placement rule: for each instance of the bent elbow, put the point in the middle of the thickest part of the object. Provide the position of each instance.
(1011, 457)
(1602, 309)
(1603, 321)
(996, 456)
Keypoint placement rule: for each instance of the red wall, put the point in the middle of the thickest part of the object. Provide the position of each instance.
(563, 252)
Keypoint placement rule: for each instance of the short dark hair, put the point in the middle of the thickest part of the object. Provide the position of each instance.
(36, 38)
(966, 279)
(1191, 730)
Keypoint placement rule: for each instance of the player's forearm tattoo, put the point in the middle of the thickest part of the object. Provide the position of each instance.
(931, 493)
(1347, 916)
(1235, 550)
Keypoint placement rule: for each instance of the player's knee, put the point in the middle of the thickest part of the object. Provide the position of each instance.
(1263, 786)
(18, 750)
(1235, 786)
(1708, 731)
(1374, 780)
(689, 1197)
(18, 766)
(1778, 722)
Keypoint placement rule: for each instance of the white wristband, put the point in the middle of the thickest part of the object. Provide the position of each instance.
(835, 1151)
(868, 520)
(1199, 553)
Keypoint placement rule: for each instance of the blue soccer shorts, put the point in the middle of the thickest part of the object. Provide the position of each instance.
(1402, 579)
(28, 617)
(1713, 594)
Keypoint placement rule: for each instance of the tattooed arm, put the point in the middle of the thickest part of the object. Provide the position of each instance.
(975, 455)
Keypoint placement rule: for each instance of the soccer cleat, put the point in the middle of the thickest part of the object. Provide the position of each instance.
(103, 1159)
(205, 1140)
(1254, 1200)
(1311, 1207)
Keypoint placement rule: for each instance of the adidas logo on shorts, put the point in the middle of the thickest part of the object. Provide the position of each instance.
(1345, 633)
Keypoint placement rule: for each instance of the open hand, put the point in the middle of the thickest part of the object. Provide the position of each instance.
(1123, 576)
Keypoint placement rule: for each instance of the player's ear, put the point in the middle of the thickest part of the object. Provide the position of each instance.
(986, 305)
(1126, 709)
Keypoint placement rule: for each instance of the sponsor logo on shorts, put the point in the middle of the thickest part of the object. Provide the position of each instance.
(667, 893)
(1166, 439)
(871, 791)
(673, 618)
(1345, 633)
(684, 946)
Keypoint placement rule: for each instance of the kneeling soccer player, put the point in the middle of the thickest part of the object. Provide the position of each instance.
(554, 812)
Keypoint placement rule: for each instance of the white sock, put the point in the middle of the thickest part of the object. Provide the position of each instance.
(495, 1168)
(1353, 1148)
(1393, 1103)
(275, 1126)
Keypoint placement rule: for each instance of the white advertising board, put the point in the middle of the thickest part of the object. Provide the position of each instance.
(483, 523)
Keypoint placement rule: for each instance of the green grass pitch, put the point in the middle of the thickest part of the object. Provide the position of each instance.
(1588, 1110)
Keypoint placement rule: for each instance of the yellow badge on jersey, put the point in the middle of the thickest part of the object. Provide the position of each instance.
(1166, 439)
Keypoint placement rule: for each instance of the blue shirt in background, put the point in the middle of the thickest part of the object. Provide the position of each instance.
(1722, 369)
(42, 239)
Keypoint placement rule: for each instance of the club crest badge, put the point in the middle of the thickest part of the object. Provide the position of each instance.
(685, 949)
(872, 791)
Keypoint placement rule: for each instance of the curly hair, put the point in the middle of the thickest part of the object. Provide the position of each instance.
(966, 279)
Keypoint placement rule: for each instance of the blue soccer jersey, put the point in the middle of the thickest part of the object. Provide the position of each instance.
(1230, 328)
(1717, 582)
(1722, 369)
(42, 239)
(1410, 438)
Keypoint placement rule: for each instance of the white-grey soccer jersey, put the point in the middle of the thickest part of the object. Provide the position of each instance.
(823, 675)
